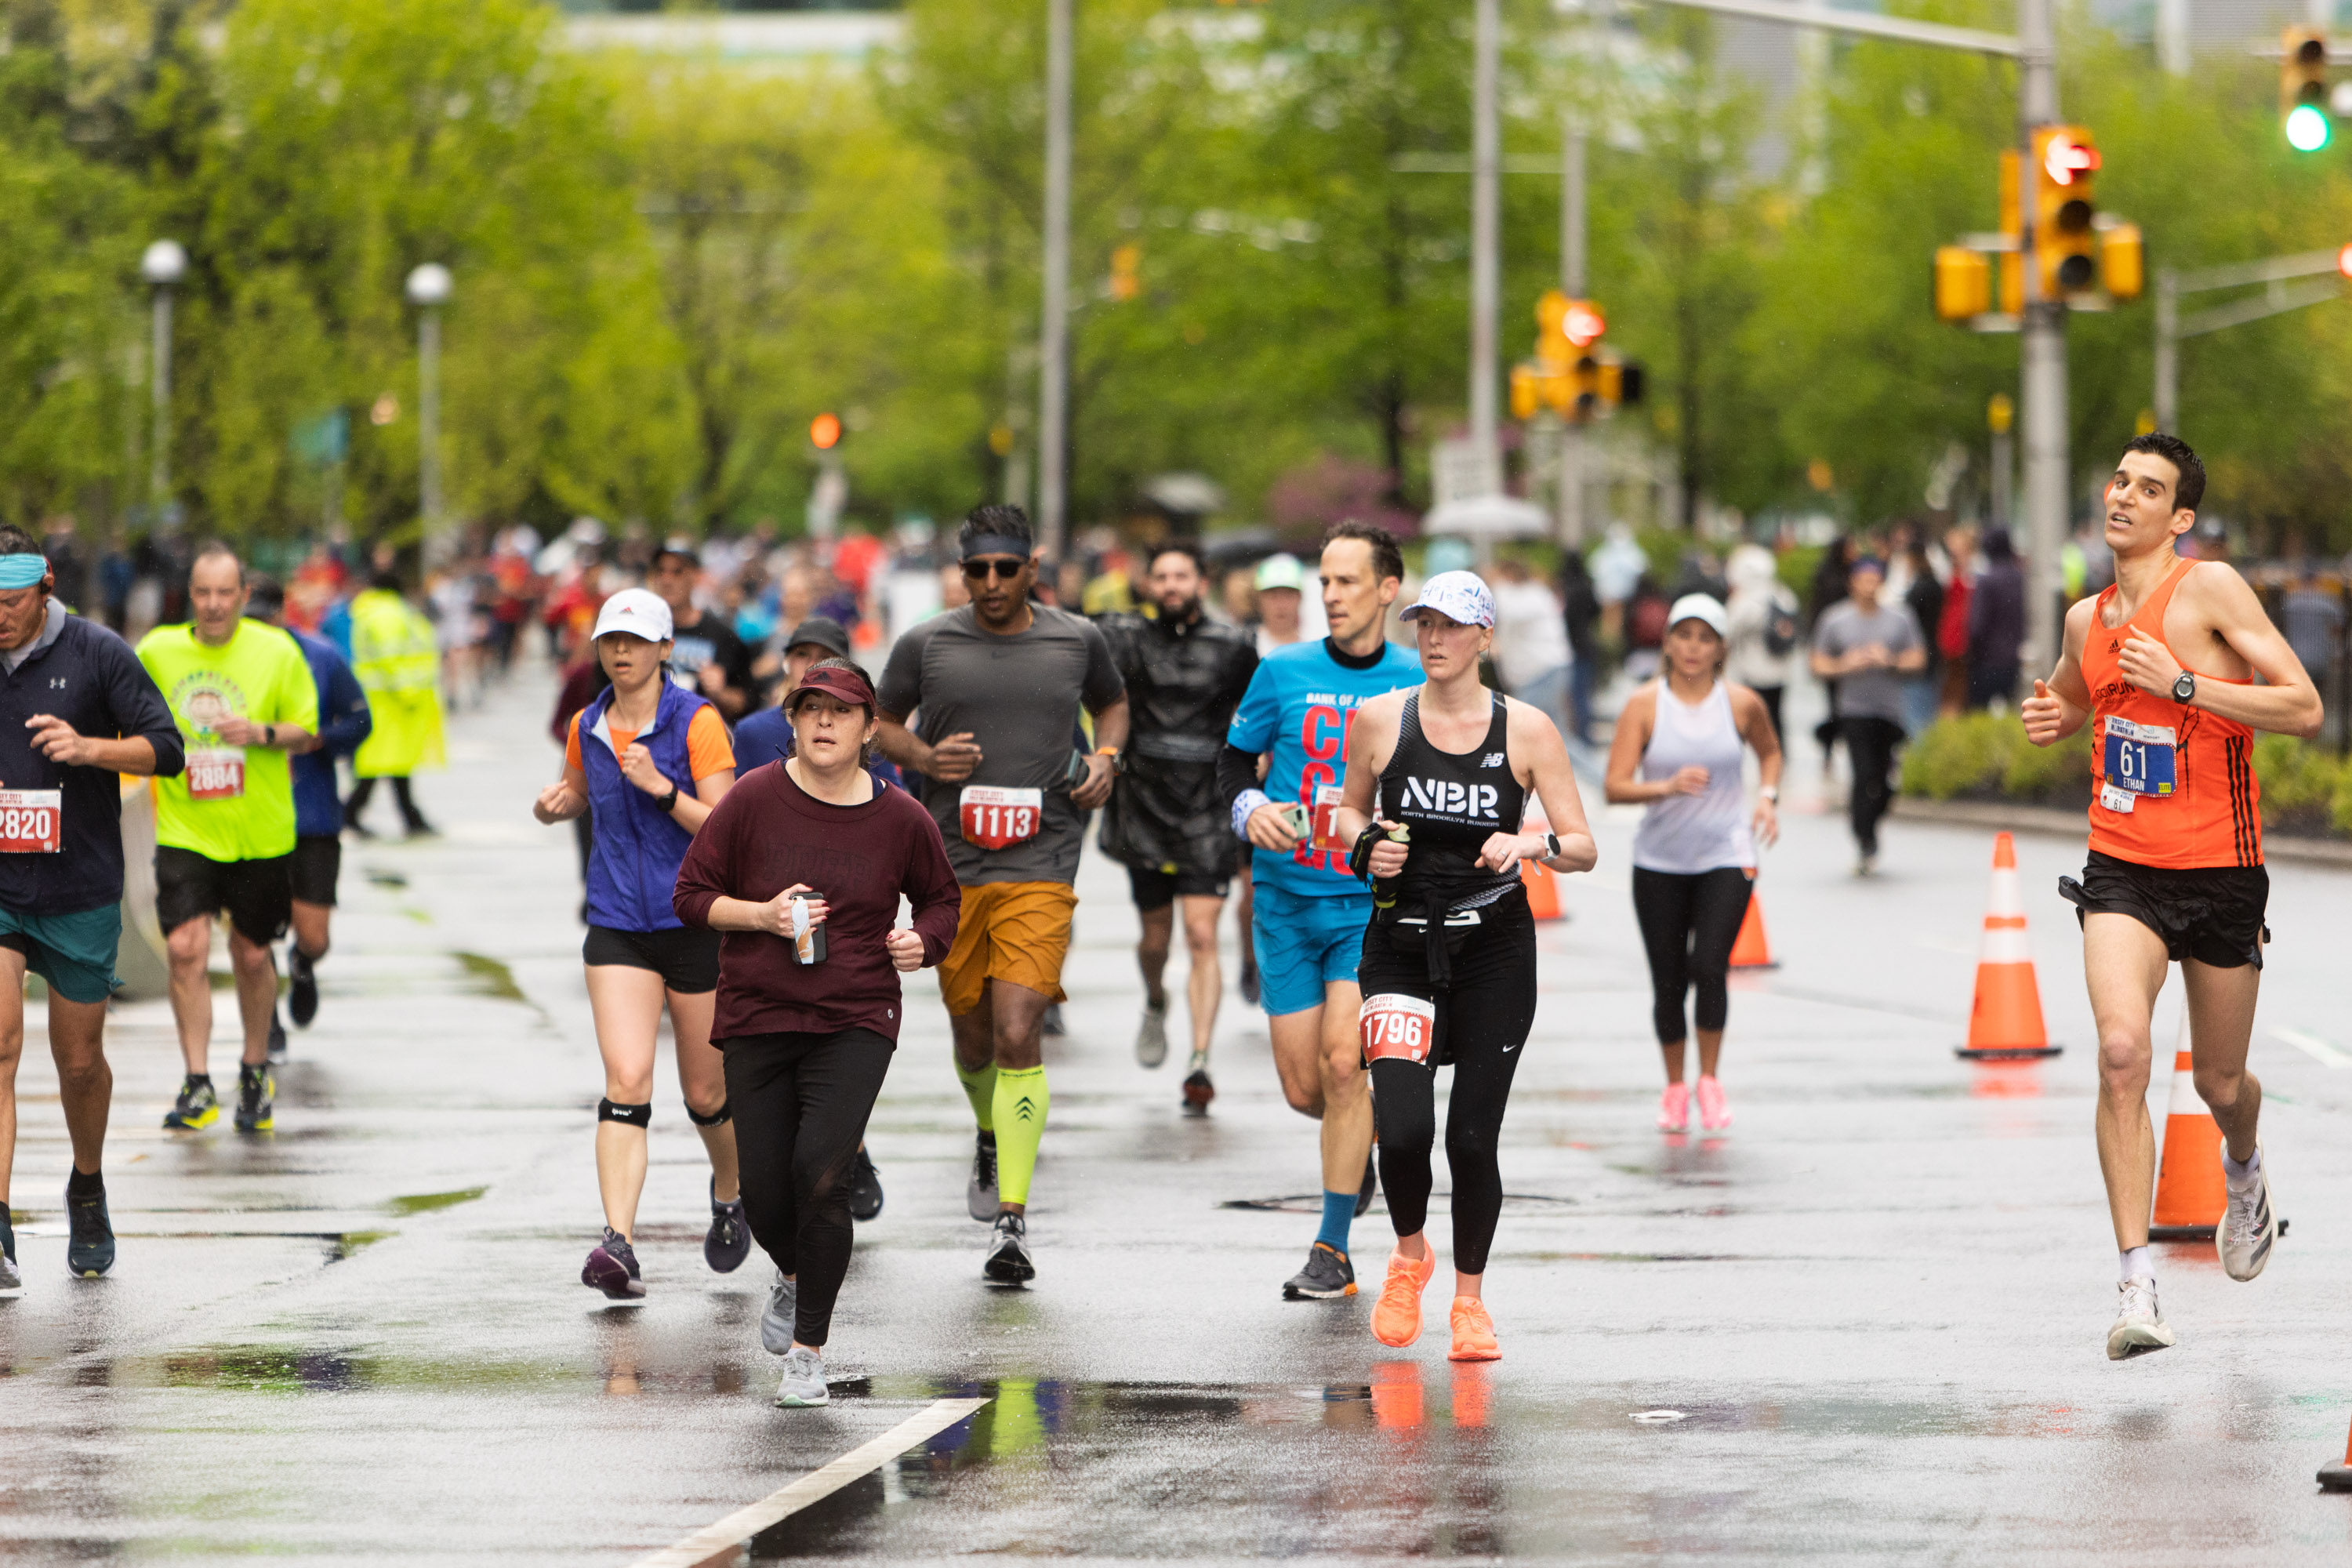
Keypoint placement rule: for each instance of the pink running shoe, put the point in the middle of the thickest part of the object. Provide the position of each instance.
(1713, 1113)
(1673, 1108)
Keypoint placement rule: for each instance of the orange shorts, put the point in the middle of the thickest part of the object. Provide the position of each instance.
(1016, 931)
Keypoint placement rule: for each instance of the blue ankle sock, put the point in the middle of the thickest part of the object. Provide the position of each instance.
(1338, 1214)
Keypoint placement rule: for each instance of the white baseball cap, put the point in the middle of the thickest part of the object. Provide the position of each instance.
(637, 611)
(1281, 571)
(1461, 596)
(1703, 607)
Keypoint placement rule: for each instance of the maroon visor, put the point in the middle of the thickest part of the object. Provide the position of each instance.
(845, 685)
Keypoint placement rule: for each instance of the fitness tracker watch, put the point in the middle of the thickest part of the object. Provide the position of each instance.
(2184, 687)
(670, 802)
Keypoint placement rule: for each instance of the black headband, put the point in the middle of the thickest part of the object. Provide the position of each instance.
(996, 545)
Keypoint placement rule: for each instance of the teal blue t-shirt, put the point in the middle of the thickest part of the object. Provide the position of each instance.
(1299, 706)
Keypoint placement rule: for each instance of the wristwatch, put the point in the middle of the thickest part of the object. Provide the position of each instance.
(2184, 687)
(1770, 792)
(1551, 847)
(270, 735)
(668, 802)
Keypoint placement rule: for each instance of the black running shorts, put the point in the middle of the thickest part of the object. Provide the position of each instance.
(2211, 913)
(685, 957)
(1157, 887)
(318, 864)
(258, 894)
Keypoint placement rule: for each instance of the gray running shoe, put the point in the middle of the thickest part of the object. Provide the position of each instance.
(1008, 1252)
(979, 1193)
(2138, 1327)
(804, 1383)
(2247, 1227)
(1152, 1039)
(11, 1276)
(1326, 1277)
(776, 1319)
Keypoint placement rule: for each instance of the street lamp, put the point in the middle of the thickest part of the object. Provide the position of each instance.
(429, 291)
(164, 265)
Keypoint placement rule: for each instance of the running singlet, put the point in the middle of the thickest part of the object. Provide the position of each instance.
(230, 803)
(2171, 786)
(1453, 801)
(1300, 706)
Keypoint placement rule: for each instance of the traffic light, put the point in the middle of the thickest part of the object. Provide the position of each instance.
(2123, 261)
(1571, 374)
(2302, 89)
(824, 432)
(1963, 283)
(2064, 159)
(1125, 272)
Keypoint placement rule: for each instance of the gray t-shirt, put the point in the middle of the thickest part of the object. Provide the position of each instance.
(1019, 697)
(1868, 694)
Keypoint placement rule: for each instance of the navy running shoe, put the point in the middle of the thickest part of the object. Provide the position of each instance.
(303, 989)
(865, 1188)
(729, 1239)
(612, 1268)
(90, 1249)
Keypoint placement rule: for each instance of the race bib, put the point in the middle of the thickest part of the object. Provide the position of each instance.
(2139, 759)
(1397, 1026)
(216, 774)
(998, 819)
(1327, 811)
(32, 821)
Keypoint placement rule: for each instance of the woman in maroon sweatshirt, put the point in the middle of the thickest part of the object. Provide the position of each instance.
(802, 867)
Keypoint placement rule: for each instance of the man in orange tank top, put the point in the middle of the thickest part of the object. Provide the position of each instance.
(2163, 666)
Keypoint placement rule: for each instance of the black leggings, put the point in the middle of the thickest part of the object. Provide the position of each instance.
(800, 1103)
(1688, 924)
(1483, 1018)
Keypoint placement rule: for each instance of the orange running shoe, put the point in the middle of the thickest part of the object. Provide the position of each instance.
(1396, 1316)
(1474, 1331)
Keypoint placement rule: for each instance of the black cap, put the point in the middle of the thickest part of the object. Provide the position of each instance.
(822, 630)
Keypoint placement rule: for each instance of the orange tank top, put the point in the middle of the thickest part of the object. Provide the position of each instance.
(2172, 786)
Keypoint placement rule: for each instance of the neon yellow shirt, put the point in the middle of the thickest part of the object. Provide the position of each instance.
(233, 803)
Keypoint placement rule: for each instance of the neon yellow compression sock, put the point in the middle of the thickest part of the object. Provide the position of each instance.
(980, 1087)
(1021, 1102)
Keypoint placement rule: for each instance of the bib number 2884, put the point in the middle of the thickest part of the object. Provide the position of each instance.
(215, 775)
(1397, 1026)
(997, 818)
(31, 821)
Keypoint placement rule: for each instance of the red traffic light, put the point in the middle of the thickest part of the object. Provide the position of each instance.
(2064, 158)
(1583, 323)
(824, 432)
(2344, 261)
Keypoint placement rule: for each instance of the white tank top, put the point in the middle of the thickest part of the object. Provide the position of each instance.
(1688, 834)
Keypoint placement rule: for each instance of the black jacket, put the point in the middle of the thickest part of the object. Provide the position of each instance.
(92, 680)
(1183, 681)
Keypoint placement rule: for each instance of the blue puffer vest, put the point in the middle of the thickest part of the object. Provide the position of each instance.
(634, 857)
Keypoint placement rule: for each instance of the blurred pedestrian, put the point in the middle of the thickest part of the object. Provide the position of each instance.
(1531, 650)
(1761, 632)
(1288, 612)
(1924, 597)
(1866, 647)
(1952, 628)
(1996, 624)
(2312, 620)
(1579, 613)
(393, 654)
(1645, 628)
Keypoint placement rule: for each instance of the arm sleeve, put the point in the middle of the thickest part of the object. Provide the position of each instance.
(901, 691)
(708, 748)
(138, 709)
(346, 719)
(702, 875)
(1103, 685)
(931, 885)
(1242, 673)
(1237, 773)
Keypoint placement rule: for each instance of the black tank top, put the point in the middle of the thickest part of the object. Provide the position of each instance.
(1453, 802)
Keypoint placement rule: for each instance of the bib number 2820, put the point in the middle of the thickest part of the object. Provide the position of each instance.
(31, 821)
(997, 818)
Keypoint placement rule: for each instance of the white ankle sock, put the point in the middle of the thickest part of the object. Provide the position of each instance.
(2134, 1264)
(2239, 1175)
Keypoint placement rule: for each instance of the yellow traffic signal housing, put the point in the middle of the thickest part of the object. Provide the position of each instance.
(2064, 159)
(2123, 261)
(1963, 283)
(1125, 272)
(2303, 69)
(2012, 283)
(1527, 395)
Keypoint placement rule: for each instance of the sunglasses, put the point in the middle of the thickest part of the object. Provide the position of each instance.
(980, 571)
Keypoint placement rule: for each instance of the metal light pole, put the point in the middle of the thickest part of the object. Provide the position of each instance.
(429, 291)
(1054, 336)
(1572, 284)
(1486, 229)
(164, 265)
(2042, 385)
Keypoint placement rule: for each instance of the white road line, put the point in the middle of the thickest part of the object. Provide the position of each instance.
(746, 1522)
(2319, 1050)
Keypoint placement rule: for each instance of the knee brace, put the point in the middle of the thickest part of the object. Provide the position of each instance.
(725, 1109)
(627, 1115)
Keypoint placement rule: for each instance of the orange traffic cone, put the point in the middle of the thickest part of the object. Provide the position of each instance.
(2338, 1478)
(1543, 889)
(2005, 1023)
(2189, 1191)
(1750, 950)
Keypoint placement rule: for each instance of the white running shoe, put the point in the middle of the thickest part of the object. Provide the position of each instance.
(776, 1318)
(804, 1386)
(1151, 1039)
(2247, 1227)
(2138, 1327)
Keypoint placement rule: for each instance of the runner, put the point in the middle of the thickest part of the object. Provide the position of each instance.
(76, 709)
(1000, 683)
(710, 658)
(1866, 647)
(393, 652)
(343, 723)
(243, 699)
(652, 759)
(803, 867)
(1308, 923)
(2163, 664)
(1695, 854)
(1450, 956)
(1279, 587)
(1166, 823)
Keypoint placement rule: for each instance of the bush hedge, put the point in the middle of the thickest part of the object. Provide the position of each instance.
(1986, 756)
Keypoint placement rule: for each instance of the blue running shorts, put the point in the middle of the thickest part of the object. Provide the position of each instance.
(1305, 943)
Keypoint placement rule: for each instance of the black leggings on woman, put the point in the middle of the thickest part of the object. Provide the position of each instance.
(1688, 924)
(1484, 1013)
(800, 1103)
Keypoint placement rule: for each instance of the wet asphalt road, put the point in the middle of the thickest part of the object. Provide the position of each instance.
(1877, 1305)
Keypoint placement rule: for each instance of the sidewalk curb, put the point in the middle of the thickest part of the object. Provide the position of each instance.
(2061, 823)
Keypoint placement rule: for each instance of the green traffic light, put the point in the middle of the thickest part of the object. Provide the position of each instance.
(2307, 128)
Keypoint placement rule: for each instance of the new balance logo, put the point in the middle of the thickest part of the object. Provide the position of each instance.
(1450, 798)
(1493, 760)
